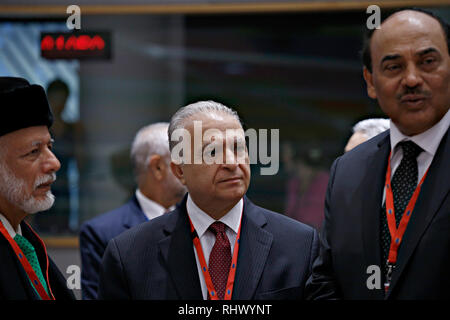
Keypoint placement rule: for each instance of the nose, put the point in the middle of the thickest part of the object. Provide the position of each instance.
(413, 77)
(51, 163)
(230, 160)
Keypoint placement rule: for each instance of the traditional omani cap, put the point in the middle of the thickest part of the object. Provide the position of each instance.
(22, 105)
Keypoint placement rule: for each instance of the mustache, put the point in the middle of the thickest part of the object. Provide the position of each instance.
(414, 91)
(47, 178)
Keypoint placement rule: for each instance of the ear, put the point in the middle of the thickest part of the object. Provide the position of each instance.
(369, 81)
(156, 166)
(177, 170)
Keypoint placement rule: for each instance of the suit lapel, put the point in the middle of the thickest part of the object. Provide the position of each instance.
(17, 286)
(434, 191)
(55, 280)
(254, 247)
(371, 193)
(178, 253)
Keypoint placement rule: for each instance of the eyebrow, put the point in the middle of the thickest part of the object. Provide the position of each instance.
(390, 57)
(420, 53)
(38, 142)
(426, 51)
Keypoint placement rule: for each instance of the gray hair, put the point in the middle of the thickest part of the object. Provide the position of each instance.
(149, 140)
(371, 127)
(179, 118)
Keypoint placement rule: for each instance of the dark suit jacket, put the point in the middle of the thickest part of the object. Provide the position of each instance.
(350, 240)
(14, 282)
(94, 237)
(156, 260)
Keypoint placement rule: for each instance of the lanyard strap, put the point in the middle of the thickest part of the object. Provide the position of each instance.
(26, 265)
(397, 233)
(201, 257)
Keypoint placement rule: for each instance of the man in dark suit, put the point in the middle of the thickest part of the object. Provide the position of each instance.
(216, 234)
(386, 233)
(27, 170)
(158, 191)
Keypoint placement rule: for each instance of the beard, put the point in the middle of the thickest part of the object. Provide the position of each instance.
(13, 189)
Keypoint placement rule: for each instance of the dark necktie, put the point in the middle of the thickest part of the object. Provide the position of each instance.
(219, 259)
(403, 184)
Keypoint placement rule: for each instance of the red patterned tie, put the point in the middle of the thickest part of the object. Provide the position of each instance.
(220, 259)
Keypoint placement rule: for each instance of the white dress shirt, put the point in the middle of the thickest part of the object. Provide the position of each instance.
(201, 222)
(428, 140)
(9, 227)
(150, 208)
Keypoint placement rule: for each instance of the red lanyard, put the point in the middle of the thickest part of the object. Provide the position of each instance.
(26, 265)
(201, 257)
(397, 233)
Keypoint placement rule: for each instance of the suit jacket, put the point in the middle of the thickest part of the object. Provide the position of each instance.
(156, 259)
(350, 239)
(94, 237)
(14, 281)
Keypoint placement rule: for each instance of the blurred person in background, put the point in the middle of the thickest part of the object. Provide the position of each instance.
(365, 130)
(306, 186)
(157, 192)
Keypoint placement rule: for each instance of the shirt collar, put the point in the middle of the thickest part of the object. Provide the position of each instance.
(150, 208)
(429, 140)
(201, 220)
(9, 227)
